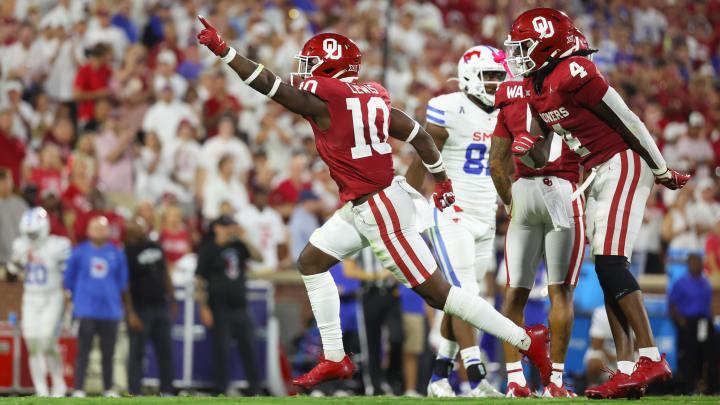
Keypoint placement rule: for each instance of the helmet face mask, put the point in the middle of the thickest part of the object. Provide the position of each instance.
(306, 65)
(35, 225)
(518, 57)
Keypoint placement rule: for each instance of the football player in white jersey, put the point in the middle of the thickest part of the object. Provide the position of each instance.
(462, 123)
(40, 258)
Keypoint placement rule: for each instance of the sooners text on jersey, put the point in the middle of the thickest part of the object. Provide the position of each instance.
(512, 99)
(568, 92)
(355, 145)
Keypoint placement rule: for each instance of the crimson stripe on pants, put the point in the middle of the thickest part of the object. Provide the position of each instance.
(576, 243)
(610, 231)
(628, 204)
(581, 207)
(388, 244)
(401, 237)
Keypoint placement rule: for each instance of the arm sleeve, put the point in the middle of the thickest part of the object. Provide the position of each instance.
(435, 113)
(636, 128)
(501, 130)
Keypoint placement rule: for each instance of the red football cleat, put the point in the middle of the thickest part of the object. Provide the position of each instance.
(515, 390)
(611, 388)
(326, 370)
(646, 371)
(539, 352)
(553, 391)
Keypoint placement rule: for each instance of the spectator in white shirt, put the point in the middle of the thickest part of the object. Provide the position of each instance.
(22, 112)
(16, 59)
(265, 230)
(225, 142)
(678, 228)
(165, 115)
(694, 146)
(183, 154)
(165, 74)
(101, 30)
(705, 210)
(225, 187)
(69, 54)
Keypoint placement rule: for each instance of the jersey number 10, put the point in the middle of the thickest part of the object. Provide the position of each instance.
(378, 143)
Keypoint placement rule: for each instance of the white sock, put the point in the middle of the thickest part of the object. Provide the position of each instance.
(38, 372)
(54, 361)
(478, 313)
(652, 352)
(448, 349)
(470, 356)
(557, 374)
(625, 367)
(325, 303)
(515, 373)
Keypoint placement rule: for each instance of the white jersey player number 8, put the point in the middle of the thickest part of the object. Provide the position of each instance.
(361, 148)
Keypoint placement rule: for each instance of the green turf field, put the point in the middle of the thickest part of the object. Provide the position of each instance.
(340, 401)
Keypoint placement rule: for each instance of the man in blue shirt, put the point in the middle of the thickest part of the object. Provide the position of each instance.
(96, 275)
(690, 299)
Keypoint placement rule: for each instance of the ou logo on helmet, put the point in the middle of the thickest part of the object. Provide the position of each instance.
(543, 27)
(332, 49)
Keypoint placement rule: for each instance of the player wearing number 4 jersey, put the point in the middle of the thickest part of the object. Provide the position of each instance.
(352, 122)
(40, 258)
(570, 96)
(461, 124)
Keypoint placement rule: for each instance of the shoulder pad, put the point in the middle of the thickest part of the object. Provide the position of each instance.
(572, 73)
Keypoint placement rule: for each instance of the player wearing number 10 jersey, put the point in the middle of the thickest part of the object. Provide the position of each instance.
(570, 96)
(462, 124)
(352, 122)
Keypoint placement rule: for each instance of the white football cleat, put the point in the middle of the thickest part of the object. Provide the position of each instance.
(440, 389)
(484, 390)
(111, 394)
(79, 394)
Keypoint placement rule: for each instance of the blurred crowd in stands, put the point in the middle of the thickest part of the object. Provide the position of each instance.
(112, 108)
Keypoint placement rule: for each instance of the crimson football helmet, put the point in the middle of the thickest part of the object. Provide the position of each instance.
(537, 37)
(329, 55)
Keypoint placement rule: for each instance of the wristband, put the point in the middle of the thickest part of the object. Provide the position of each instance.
(229, 56)
(255, 73)
(413, 133)
(436, 167)
(659, 171)
(275, 87)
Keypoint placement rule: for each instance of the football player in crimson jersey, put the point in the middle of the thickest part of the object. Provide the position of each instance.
(351, 123)
(569, 96)
(546, 222)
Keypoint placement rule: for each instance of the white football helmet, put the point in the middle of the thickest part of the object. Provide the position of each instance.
(474, 65)
(35, 224)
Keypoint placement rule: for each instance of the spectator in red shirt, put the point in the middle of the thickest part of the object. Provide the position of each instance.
(99, 208)
(52, 204)
(174, 238)
(75, 197)
(219, 104)
(712, 251)
(92, 81)
(48, 175)
(286, 194)
(12, 150)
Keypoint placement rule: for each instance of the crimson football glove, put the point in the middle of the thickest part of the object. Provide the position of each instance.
(522, 144)
(443, 194)
(211, 38)
(672, 179)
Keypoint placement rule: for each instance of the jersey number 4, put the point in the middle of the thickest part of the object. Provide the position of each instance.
(377, 142)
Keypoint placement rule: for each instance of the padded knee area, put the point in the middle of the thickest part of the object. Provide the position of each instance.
(614, 275)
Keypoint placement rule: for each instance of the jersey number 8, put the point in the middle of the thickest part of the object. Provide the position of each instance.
(474, 164)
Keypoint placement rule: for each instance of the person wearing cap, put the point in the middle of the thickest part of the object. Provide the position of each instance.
(165, 74)
(222, 296)
(694, 146)
(96, 275)
(304, 221)
(149, 305)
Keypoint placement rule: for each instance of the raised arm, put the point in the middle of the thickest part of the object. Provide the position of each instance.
(415, 174)
(614, 112)
(407, 129)
(263, 80)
